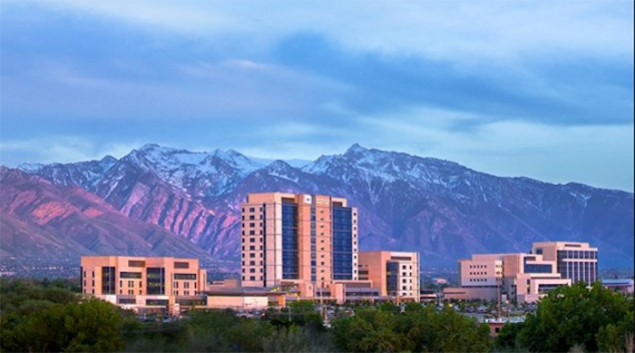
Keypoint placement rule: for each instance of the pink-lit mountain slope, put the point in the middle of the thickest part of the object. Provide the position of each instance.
(42, 222)
(439, 208)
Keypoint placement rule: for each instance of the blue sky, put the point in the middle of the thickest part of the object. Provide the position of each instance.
(542, 89)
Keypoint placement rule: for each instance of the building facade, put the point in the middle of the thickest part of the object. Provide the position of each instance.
(309, 241)
(575, 261)
(394, 274)
(162, 283)
(528, 277)
(518, 277)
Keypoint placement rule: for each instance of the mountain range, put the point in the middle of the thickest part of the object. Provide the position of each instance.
(158, 200)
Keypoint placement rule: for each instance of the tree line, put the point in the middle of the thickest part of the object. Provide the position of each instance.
(45, 316)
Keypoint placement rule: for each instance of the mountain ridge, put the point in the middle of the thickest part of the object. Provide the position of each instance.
(440, 208)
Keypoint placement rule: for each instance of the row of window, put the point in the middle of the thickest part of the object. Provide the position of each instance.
(478, 273)
(578, 254)
(478, 279)
(187, 292)
(251, 217)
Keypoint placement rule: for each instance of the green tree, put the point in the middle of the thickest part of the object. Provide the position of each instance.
(507, 338)
(303, 312)
(576, 316)
(418, 329)
(91, 326)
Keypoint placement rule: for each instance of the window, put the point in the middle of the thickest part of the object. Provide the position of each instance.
(108, 280)
(185, 276)
(181, 264)
(130, 274)
(155, 280)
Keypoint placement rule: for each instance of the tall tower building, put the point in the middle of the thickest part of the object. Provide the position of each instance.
(302, 239)
(575, 261)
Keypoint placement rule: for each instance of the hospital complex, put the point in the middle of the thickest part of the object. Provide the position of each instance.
(306, 247)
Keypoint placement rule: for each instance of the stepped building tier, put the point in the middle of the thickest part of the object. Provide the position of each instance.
(525, 277)
(575, 261)
(395, 274)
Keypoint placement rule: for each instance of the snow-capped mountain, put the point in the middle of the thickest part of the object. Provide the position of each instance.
(440, 208)
(200, 174)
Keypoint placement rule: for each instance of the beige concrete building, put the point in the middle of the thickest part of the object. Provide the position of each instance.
(528, 277)
(575, 261)
(307, 241)
(394, 274)
(519, 277)
(161, 283)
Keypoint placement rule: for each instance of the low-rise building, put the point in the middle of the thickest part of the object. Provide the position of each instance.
(394, 274)
(525, 277)
(623, 285)
(145, 283)
(518, 277)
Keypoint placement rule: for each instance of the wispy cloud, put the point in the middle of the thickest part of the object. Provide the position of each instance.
(537, 88)
(60, 149)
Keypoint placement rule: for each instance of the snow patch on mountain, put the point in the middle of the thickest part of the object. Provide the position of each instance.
(30, 167)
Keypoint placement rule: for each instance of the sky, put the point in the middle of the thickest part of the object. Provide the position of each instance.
(541, 89)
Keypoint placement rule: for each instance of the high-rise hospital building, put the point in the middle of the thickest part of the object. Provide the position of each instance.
(298, 239)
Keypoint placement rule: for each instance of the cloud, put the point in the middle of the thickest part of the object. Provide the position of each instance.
(59, 149)
(533, 88)
(459, 31)
(598, 155)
